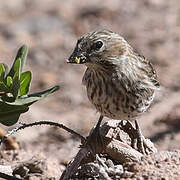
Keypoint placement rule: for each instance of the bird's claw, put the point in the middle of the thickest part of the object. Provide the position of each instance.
(138, 141)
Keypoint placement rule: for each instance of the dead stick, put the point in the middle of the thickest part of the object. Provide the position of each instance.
(73, 166)
(50, 123)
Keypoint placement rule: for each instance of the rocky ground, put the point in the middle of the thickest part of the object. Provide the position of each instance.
(50, 28)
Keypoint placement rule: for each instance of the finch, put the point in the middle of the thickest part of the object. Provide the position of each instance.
(120, 83)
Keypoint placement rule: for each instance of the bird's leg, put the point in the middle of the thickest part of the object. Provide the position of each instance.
(99, 123)
(145, 146)
(94, 140)
(140, 139)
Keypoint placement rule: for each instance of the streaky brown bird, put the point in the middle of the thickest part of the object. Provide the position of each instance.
(120, 83)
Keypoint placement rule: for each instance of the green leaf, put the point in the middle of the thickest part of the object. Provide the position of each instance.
(32, 98)
(9, 119)
(2, 72)
(22, 55)
(17, 66)
(9, 114)
(25, 81)
(16, 79)
(3, 87)
(9, 81)
(16, 85)
(8, 99)
(6, 69)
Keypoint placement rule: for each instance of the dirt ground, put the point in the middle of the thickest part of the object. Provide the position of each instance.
(50, 28)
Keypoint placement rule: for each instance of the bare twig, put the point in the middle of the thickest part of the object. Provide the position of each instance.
(50, 123)
(73, 165)
(6, 176)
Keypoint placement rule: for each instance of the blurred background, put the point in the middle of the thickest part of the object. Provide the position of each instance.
(51, 27)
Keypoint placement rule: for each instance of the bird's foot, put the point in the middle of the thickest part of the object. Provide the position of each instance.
(95, 141)
(145, 146)
(138, 141)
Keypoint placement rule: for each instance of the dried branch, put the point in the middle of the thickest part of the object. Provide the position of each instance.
(6, 176)
(23, 126)
(74, 164)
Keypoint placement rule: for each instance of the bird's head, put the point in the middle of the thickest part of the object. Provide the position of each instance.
(99, 48)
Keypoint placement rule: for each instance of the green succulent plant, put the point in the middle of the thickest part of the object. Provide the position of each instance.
(14, 88)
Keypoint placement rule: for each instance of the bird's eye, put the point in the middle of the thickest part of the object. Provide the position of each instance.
(96, 46)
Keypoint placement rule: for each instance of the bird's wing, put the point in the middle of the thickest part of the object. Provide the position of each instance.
(150, 72)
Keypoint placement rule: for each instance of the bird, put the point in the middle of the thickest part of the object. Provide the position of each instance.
(120, 82)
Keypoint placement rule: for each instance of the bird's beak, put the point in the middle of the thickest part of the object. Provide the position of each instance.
(75, 60)
(77, 57)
